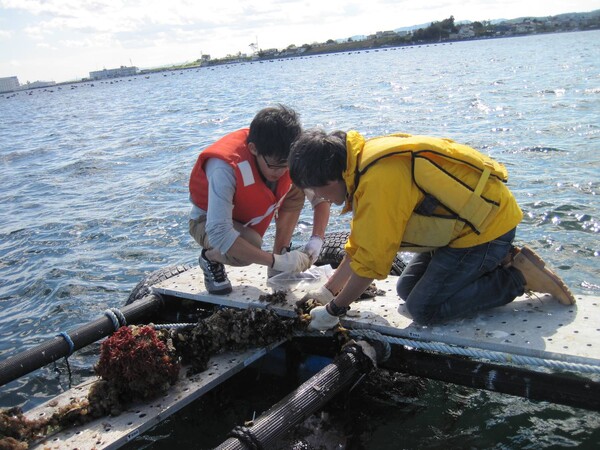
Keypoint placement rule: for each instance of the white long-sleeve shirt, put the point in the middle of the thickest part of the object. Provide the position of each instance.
(221, 189)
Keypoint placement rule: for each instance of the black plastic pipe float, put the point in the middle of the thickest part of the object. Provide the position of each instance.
(66, 343)
(563, 388)
(347, 368)
(568, 389)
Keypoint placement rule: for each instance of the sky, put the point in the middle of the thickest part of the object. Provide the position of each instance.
(64, 40)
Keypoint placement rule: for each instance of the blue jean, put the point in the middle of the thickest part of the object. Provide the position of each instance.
(451, 282)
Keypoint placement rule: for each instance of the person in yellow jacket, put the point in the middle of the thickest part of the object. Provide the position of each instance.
(441, 199)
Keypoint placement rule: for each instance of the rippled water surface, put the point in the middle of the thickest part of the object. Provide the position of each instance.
(94, 185)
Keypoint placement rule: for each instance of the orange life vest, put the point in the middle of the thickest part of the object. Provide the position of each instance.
(254, 204)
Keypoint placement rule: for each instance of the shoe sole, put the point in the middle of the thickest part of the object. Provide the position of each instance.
(540, 264)
(223, 291)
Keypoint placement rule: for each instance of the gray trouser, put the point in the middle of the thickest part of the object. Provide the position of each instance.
(198, 232)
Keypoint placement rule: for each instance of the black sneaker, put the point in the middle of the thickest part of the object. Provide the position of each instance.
(215, 277)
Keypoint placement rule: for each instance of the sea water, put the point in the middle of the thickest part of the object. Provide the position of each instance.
(93, 190)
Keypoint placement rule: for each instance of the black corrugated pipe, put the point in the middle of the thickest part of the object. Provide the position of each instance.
(66, 343)
(355, 360)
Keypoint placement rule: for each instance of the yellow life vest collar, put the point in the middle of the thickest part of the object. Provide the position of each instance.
(362, 154)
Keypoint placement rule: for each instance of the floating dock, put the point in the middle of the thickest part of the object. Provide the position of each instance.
(529, 331)
(534, 327)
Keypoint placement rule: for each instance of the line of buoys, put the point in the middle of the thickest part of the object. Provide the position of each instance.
(345, 370)
(64, 344)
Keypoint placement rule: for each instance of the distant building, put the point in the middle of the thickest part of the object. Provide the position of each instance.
(466, 31)
(382, 34)
(269, 53)
(38, 84)
(9, 84)
(114, 73)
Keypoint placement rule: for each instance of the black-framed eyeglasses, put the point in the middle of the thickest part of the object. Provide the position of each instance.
(274, 166)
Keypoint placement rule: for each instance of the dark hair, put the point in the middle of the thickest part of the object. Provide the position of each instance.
(317, 158)
(273, 130)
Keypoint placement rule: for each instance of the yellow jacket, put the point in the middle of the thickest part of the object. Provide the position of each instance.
(417, 193)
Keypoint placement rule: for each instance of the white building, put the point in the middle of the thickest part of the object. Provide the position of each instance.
(9, 84)
(114, 73)
(466, 31)
(38, 84)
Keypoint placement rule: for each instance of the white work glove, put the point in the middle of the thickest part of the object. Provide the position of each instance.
(321, 320)
(313, 247)
(322, 295)
(294, 261)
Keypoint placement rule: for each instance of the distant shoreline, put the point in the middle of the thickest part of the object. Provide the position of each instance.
(384, 41)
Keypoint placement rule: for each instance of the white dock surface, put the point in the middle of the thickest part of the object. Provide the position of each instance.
(536, 327)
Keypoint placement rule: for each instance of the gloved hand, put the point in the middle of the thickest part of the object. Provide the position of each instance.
(313, 247)
(272, 272)
(294, 261)
(321, 320)
(322, 295)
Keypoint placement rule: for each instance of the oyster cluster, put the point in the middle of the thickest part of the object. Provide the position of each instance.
(276, 298)
(16, 428)
(17, 431)
(229, 329)
(139, 362)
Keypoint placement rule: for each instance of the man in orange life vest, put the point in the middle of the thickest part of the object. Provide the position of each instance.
(237, 186)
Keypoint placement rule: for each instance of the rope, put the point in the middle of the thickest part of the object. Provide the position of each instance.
(117, 312)
(67, 338)
(245, 436)
(111, 315)
(374, 336)
(477, 353)
(117, 317)
(71, 344)
(495, 356)
(164, 326)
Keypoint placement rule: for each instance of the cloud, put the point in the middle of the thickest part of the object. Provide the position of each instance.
(138, 15)
(74, 36)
